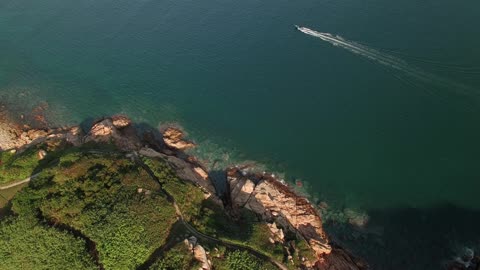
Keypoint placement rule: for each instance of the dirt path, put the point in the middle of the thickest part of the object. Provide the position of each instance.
(200, 235)
(26, 180)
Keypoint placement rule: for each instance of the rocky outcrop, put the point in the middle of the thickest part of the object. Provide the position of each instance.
(271, 199)
(263, 194)
(266, 196)
(13, 136)
(173, 138)
(116, 130)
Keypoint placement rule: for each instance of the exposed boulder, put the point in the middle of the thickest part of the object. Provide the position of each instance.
(277, 233)
(173, 138)
(41, 154)
(105, 131)
(199, 253)
(201, 172)
(120, 121)
(74, 135)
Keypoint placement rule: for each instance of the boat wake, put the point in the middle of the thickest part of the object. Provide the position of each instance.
(388, 61)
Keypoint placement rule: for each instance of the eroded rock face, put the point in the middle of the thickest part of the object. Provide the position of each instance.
(173, 138)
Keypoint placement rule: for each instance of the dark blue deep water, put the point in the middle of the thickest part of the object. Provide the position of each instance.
(388, 125)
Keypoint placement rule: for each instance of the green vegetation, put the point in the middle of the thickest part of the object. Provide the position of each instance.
(177, 258)
(92, 201)
(108, 199)
(242, 260)
(188, 197)
(17, 167)
(7, 194)
(210, 218)
(247, 230)
(25, 244)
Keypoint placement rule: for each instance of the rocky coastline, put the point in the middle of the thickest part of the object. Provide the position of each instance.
(276, 203)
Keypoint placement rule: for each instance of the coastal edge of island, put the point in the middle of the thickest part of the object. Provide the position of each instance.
(237, 187)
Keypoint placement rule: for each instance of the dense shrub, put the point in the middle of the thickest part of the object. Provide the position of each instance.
(108, 199)
(188, 197)
(25, 244)
(177, 258)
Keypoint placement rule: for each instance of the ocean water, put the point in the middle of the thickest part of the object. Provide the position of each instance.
(384, 119)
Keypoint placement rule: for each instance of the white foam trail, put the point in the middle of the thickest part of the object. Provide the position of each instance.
(387, 60)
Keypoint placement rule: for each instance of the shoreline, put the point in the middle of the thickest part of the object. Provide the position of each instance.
(171, 146)
(148, 141)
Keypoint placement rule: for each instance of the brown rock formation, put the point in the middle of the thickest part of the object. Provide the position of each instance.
(199, 253)
(272, 199)
(268, 197)
(201, 172)
(12, 136)
(277, 233)
(120, 121)
(122, 134)
(173, 138)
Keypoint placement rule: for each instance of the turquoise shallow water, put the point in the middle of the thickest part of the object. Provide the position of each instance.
(246, 85)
